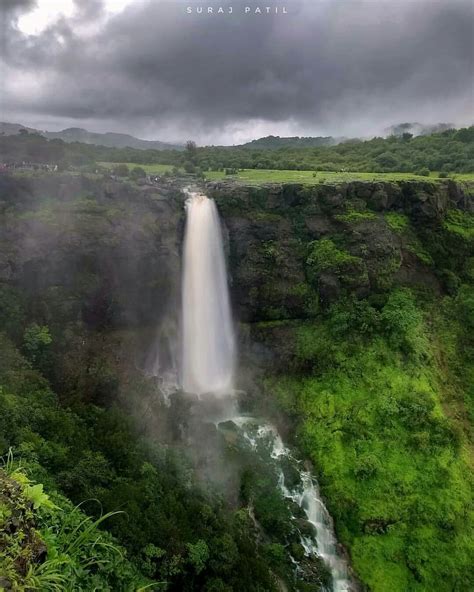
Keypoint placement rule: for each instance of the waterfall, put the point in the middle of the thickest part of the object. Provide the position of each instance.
(207, 328)
(208, 358)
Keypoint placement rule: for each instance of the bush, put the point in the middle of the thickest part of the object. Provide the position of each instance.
(325, 256)
(401, 321)
(138, 173)
(121, 170)
(423, 172)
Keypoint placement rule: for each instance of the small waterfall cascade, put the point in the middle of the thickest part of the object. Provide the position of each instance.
(305, 493)
(208, 354)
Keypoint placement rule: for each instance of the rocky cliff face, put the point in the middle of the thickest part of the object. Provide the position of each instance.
(371, 235)
(106, 252)
(98, 262)
(89, 254)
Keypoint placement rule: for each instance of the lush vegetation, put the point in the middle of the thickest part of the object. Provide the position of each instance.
(48, 544)
(362, 298)
(450, 151)
(362, 302)
(176, 532)
(383, 423)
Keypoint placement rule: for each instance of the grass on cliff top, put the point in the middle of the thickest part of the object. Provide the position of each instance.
(277, 176)
(287, 176)
(158, 169)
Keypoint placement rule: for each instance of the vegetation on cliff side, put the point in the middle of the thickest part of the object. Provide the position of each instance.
(378, 377)
(382, 396)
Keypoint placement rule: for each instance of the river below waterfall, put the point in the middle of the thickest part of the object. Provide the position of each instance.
(302, 491)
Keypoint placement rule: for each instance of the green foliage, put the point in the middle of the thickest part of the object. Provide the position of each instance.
(198, 555)
(36, 346)
(355, 216)
(36, 495)
(423, 172)
(53, 546)
(397, 222)
(449, 151)
(401, 321)
(460, 223)
(416, 247)
(36, 338)
(93, 453)
(371, 414)
(137, 173)
(325, 256)
(465, 306)
(121, 170)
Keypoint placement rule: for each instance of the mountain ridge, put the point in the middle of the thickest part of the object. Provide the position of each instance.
(77, 134)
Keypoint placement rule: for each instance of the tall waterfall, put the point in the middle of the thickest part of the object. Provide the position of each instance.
(208, 334)
(208, 359)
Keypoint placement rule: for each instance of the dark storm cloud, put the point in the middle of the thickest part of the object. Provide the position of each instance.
(11, 5)
(153, 65)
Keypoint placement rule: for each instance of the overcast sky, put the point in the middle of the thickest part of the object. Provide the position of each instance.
(147, 67)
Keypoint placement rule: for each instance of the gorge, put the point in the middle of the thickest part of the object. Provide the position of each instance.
(354, 312)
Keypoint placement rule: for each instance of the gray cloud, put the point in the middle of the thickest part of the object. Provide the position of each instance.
(342, 67)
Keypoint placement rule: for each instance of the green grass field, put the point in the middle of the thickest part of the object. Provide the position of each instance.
(277, 176)
(159, 169)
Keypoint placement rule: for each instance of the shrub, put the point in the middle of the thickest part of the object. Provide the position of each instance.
(36, 342)
(396, 221)
(401, 320)
(121, 170)
(138, 173)
(325, 256)
(423, 172)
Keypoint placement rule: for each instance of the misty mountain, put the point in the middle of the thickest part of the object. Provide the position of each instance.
(76, 134)
(275, 142)
(418, 129)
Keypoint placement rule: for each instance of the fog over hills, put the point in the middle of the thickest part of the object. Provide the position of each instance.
(418, 129)
(271, 142)
(76, 134)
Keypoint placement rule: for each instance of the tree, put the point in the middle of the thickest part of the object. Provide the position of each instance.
(36, 342)
(138, 173)
(387, 160)
(121, 170)
(191, 150)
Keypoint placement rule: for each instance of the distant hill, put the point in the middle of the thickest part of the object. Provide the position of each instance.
(418, 129)
(77, 134)
(11, 129)
(275, 142)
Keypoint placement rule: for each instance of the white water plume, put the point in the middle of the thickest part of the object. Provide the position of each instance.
(207, 331)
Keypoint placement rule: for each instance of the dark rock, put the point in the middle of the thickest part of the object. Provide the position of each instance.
(329, 288)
